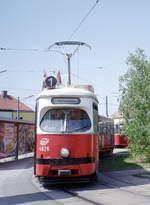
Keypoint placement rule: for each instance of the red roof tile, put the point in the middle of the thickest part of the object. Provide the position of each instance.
(11, 103)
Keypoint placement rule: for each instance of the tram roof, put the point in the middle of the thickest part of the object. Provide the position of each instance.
(77, 91)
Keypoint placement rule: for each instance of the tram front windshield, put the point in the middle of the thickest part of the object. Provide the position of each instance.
(65, 120)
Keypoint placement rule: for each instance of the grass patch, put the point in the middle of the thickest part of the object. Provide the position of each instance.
(121, 163)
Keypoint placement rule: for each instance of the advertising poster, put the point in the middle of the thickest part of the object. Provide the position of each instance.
(8, 138)
(26, 138)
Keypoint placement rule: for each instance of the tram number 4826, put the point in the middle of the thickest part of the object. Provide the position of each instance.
(44, 148)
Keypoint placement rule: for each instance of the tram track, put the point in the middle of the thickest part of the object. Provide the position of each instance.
(62, 194)
(81, 197)
(96, 193)
(111, 183)
(99, 193)
(72, 197)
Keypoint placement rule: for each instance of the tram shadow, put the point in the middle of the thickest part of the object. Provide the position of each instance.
(108, 180)
(106, 186)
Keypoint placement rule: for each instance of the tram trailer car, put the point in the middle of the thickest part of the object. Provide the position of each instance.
(120, 141)
(66, 142)
(106, 135)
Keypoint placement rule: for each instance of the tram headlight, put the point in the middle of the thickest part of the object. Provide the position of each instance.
(64, 152)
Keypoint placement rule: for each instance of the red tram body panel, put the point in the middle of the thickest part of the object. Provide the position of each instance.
(66, 133)
(82, 156)
(120, 141)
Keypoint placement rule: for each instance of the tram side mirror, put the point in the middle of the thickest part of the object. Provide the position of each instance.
(50, 82)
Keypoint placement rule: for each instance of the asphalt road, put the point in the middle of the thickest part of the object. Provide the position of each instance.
(18, 186)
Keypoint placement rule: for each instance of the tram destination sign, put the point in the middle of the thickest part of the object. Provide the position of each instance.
(64, 100)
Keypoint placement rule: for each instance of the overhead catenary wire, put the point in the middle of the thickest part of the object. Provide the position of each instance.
(47, 50)
(25, 89)
(84, 18)
(73, 74)
(18, 49)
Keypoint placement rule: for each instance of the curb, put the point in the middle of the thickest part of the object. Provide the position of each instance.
(13, 158)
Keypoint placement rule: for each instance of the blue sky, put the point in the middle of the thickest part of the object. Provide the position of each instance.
(113, 29)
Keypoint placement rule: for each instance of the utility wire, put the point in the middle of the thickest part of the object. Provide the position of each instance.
(21, 49)
(88, 13)
(46, 50)
(25, 89)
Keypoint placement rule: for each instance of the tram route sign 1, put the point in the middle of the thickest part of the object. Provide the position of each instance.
(50, 81)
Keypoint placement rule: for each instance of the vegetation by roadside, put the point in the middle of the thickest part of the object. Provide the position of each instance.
(134, 87)
(116, 163)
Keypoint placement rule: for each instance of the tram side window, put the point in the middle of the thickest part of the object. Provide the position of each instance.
(104, 130)
(112, 129)
(116, 129)
(65, 120)
(100, 128)
(95, 117)
(108, 130)
(121, 127)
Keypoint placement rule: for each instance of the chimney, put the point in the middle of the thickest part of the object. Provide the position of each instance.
(4, 94)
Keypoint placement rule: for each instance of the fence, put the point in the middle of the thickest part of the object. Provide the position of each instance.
(16, 138)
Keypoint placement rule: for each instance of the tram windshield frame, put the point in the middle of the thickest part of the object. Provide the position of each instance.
(65, 120)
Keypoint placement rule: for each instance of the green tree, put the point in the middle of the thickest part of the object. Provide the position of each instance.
(135, 104)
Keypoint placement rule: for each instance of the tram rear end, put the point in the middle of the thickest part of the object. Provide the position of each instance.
(120, 141)
(66, 135)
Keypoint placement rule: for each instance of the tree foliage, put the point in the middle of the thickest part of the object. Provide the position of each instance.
(135, 104)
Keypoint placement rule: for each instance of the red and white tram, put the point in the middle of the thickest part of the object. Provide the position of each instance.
(120, 141)
(106, 135)
(66, 142)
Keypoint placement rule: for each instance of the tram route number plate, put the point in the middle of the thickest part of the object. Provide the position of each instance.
(64, 172)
